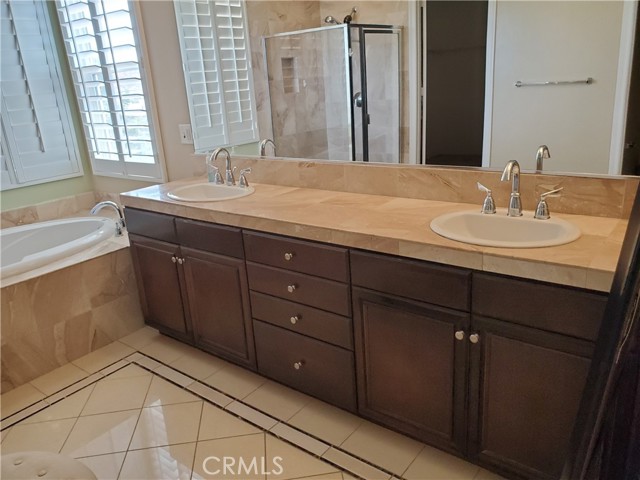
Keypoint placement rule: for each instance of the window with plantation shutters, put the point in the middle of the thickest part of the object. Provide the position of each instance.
(102, 43)
(216, 60)
(38, 140)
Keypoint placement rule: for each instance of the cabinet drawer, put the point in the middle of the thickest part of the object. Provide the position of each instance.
(422, 281)
(210, 237)
(325, 371)
(150, 224)
(553, 308)
(312, 291)
(302, 319)
(298, 256)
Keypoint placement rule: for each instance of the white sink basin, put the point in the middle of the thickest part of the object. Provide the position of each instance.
(498, 230)
(208, 192)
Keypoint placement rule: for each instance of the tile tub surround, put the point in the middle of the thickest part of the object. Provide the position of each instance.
(399, 226)
(51, 210)
(131, 419)
(63, 315)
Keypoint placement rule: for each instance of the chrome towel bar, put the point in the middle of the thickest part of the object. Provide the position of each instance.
(588, 81)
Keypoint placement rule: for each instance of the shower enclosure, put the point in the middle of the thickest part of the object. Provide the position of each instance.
(335, 92)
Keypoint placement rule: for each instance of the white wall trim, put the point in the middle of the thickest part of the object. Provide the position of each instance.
(492, 12)
(623, 82)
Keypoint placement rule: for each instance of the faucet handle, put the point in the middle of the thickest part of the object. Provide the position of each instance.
(243, 182)
(488, 206)
(214, 175)
(542, 210)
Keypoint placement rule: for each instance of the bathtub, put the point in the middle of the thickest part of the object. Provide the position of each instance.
(32, 246)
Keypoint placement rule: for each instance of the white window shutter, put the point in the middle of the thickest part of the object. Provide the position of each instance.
(36, 123)
(217, 67)
(102, 43)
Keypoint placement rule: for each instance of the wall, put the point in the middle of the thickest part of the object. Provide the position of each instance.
(542, 41)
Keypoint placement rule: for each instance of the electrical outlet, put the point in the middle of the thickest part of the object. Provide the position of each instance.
(186, 136)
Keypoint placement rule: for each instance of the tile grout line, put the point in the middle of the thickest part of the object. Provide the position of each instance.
(285, 422)
(100, 376)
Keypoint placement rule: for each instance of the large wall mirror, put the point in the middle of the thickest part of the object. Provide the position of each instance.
(471, 83)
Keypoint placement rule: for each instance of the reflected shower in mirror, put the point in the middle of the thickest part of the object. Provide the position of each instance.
(334, 92)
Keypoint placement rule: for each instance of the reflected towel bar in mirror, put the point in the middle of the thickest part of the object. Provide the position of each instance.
(588, 81)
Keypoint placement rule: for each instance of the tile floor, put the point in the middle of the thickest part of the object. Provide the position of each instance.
(149, 407)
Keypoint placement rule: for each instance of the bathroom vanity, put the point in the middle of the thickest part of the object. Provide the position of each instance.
(490, 367)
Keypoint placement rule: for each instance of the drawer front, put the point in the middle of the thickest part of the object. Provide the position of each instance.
(553, 308)
(298, 256)
(299, 318)
(422, 281)
(313, 291)
(210, 237)
(150, 224)
(325, 371)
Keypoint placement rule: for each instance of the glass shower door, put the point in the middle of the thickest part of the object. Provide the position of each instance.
(310, 93)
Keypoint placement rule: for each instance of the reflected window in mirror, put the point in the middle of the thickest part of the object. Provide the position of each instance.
(38, 140)
(214, 43)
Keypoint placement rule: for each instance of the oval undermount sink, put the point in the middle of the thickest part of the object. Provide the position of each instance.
(498, 230)
(208, 192)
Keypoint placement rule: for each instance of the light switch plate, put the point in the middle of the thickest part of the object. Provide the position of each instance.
(186, 136)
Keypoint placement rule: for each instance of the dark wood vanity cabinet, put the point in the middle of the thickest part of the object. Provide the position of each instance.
(196, 288)
(301, 304)
(160, 286)
(528, 366)
(410, 367)
(486, 366)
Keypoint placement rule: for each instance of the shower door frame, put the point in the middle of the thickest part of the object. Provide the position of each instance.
(364, 29)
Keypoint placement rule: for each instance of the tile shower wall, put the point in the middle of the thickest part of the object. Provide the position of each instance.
(56, 318)
(268, 18)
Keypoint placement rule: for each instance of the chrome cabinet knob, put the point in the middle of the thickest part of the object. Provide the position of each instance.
(174, 259)
(180, 261)
(298, 365)
(294, 319)
(291, 288)
(288, 256)
(474, 338)
(459, 335)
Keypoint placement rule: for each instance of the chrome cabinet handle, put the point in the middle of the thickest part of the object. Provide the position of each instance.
(288, 256)
(459, 335)
(180, 261)
(294, 319)
(474, 338)
(298, 365)
(291, 288)
(174, 259)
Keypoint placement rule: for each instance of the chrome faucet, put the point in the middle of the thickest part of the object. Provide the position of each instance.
(120, 225)
(512, 172)
(229, 179)
(541, 154)
(263, 147)
(213, 172)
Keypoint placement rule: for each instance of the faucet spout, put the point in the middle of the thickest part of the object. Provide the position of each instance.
(541, 154)
(229, 179)
(263, 147)
(512, 172)
(120, 225)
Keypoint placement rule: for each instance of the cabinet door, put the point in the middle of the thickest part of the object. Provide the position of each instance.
(411, 372)
(159, 285)
(218, 296)
(525, 390)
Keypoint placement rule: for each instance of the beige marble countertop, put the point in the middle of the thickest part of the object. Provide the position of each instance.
(399, 226)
